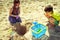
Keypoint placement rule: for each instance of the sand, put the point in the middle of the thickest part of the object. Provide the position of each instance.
(31, 10)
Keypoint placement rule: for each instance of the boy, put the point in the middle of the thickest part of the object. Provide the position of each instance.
(53, 21)
(51, 15)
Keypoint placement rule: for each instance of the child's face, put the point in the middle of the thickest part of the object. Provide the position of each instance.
(48, 14)
(17, 5)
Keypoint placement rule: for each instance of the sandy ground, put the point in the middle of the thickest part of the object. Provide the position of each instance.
(30, 11)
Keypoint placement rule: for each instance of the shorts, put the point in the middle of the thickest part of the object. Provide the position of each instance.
(14, 20)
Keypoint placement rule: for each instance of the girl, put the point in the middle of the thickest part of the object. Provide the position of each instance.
(14, 13)
(14, 18)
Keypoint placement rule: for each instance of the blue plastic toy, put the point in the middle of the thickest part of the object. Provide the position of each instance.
(38, 30)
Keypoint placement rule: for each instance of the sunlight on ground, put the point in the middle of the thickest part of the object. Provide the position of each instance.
(30, 11)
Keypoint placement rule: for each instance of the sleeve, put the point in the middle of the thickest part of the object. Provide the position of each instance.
(56, 15)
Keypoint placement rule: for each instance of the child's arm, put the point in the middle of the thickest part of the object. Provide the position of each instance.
(51, 20)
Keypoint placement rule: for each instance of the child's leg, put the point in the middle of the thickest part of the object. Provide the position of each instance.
(54, 37)
(57, 28)
(51, 30)
(18, 24)
(15, 26)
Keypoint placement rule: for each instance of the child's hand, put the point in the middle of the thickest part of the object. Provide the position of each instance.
(17, 17)
(51, 20)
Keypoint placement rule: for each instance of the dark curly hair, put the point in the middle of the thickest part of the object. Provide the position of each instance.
(48, 8)
(14, 6)
(16, 1)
